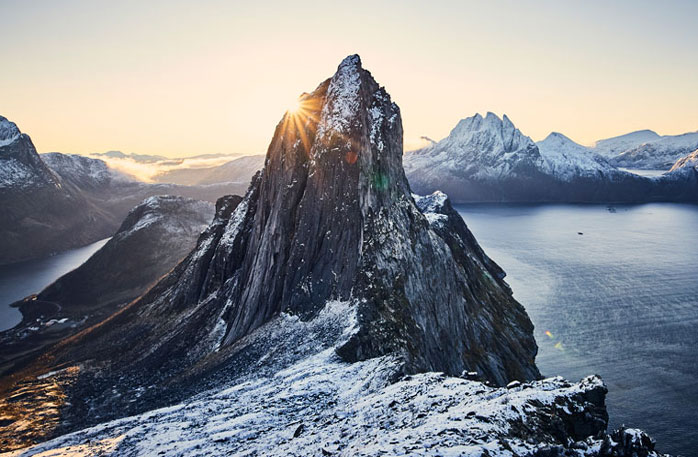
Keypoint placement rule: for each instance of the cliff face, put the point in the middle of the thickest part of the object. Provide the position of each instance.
(329, 219)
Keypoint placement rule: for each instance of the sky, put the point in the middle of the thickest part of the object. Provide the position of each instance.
(180, 78)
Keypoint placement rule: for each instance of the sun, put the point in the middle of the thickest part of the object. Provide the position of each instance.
(293, 106)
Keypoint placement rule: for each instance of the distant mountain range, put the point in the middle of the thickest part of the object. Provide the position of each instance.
(489, 159)
(53, 202)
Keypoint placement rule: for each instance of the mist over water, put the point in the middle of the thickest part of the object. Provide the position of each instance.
(620, 300)
(22, 279)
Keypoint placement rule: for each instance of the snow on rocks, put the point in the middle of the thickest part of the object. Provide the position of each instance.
(343, 94)
(323, 406)
(689, 161)
(481, 147)
(567, 160)
(9, 131)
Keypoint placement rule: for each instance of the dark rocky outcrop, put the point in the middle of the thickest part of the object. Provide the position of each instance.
(330, 217)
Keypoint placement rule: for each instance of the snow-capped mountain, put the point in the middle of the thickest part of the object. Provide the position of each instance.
(611, 147)
(659, 154)
(53, 202)
(567, 160)
(313, 317)
(488, 159)
(42, 213)
(479, 148)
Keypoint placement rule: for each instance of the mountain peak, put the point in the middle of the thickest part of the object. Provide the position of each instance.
(9, 131)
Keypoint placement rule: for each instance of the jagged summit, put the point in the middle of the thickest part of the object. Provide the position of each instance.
(20, 165)
(330, 221)
(9, 131)
(478, 147)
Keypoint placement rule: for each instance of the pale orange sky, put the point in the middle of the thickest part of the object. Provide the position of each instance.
(185, 78)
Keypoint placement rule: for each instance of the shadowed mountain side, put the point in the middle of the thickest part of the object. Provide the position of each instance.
(153, 238)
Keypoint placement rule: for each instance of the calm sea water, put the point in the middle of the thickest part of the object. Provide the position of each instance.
(620, 300)
(26, 278)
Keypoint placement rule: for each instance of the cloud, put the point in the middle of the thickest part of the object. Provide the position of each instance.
(149, 171)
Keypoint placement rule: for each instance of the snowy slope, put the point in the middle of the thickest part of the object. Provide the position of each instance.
(691, 160)
(660, 154)
(611, 147)
(566, 160)
(322, 406)
(8, 131)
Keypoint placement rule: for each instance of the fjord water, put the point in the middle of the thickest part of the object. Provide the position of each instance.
(22, 279)
(612, 290)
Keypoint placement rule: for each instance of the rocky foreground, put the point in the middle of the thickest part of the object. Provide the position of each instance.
(322, 406)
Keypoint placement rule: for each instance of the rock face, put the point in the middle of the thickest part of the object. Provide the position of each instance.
(489, 160)
(329, 218)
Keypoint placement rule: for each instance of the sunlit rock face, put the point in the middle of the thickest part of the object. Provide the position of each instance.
(329, 219)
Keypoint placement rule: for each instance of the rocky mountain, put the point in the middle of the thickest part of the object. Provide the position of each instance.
(611, 147)
(239, 170)
(659, 154)
(305, 315)
(53, 202)
(153, 238)
(42, 213)
(487, 159)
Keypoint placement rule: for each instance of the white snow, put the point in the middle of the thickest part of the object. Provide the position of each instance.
(480, 147)
(8, 132)
(343, 98)
(566, 159)
(321, 405)
(691, 160)
(610, 147)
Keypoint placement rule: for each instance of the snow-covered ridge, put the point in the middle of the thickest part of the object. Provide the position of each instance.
(479, 147)
(565, 159)
(323, 406)
(610, 147)
(9, 131)
(659, 154)
(82, 169)
(691, 160)
(158, 210)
